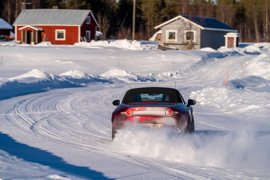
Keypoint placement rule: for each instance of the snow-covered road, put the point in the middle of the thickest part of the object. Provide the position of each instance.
(65, 133)
(74, 125)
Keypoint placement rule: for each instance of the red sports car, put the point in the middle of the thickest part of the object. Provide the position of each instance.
(155, 107)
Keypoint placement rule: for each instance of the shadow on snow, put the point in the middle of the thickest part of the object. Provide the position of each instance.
(42, 157)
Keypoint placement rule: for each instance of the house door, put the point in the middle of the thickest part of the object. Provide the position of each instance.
(230, 42)
(26, 36)
(88, 36)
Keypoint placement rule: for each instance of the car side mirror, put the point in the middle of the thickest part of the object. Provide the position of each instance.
(116, 102)
(191, 102)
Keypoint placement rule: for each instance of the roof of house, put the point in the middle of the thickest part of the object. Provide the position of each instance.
(5, 25)
(53, 17)
(202, 22)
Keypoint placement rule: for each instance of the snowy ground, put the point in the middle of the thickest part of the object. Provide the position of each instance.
(55, 108)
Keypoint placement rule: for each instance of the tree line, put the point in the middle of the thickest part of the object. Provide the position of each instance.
(250, 17)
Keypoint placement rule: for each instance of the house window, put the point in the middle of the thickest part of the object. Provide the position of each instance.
(88, 35)
(171, 36)
(88, 20)
(60, 34)
(189, 36)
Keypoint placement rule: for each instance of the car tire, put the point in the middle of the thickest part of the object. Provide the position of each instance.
(190, 126)
(113, 133)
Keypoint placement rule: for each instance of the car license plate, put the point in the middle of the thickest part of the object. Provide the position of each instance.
(157, 126)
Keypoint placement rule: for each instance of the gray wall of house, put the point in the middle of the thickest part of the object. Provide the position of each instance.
(213, 39)
(180, 26)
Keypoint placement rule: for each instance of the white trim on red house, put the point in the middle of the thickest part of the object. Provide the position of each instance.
(60, 30)
(79, 34)
(16, 31)
(46, 25)
(29, 26)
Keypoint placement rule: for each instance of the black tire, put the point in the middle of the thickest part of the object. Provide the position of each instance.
(190, 126)
(113, 133)
(191, 123)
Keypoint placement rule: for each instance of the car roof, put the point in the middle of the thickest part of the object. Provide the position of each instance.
(152, 90)
(130, 94)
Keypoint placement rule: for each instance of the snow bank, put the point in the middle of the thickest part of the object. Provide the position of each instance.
(99, 43)
(249, 49)
(33, 76)
(134, 45)
(259, 66)
(168, 75)
(76, 74)
(251, 83)
(208, 49)
(45, 43)
(124, 44)
(81, 78)
(38, 81)
(252, 49)
(215, 97)
(230, 98)
(122, 75)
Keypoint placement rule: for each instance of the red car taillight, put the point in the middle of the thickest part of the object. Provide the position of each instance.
(127, 112)
(169, 112)
(148, 111)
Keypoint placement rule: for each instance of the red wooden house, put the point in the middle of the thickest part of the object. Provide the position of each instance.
(58, 26)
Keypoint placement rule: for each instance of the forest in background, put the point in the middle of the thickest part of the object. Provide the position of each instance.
(250, 17)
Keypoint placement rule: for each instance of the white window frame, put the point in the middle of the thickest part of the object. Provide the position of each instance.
(88, 20)
(62, 31)
(87, 32)
(194, 35)
(167, 36)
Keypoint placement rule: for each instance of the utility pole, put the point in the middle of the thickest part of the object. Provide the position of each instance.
(133, 19)
(24, 4)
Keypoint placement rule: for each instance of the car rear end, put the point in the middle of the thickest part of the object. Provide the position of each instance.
(154, 117)
(154, 107)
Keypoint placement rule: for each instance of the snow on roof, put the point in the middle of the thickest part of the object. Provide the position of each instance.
(53, 17)
(202, 22)
(5, 25)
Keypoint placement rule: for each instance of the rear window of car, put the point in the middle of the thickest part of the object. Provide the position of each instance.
(132, 97)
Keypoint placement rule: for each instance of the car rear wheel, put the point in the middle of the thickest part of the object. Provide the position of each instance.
(113, 133)
(191, 126)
